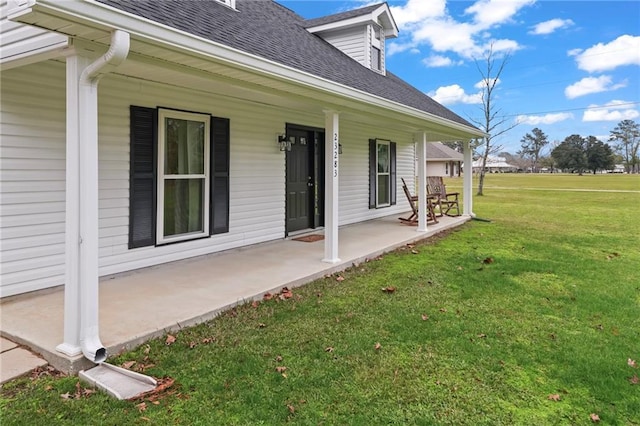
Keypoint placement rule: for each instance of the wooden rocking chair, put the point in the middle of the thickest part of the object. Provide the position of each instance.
(413, 201)
(447, 202)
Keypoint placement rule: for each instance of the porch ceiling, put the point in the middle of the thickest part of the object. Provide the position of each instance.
(159, 54)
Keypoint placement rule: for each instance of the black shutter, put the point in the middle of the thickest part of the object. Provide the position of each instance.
(142, 182)
(219, 210)
(392, 171)
(373, 166)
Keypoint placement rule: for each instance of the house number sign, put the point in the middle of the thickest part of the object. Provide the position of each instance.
(335, 154)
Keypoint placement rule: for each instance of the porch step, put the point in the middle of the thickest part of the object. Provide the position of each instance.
(118, 382)
(16, 361)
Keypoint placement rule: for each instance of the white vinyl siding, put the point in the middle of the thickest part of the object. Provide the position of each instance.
(32, 167)
(351, 41)
(32, 173)
(354, 170)
(19, 41)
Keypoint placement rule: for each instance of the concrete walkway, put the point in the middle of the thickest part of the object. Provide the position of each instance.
(147, 303)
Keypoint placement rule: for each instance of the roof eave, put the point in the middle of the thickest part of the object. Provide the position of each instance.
(105, 18)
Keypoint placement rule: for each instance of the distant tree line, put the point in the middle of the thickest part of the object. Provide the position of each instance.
(579, 154)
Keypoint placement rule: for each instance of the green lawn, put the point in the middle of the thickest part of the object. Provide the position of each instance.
(531, 319)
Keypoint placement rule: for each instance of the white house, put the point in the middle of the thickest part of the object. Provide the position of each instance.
(443, 160)
(495, 165)
(136, 133)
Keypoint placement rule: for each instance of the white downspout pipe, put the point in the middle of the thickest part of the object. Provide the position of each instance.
(90, 343)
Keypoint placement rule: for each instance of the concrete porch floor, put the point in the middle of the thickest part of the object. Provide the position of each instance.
(139, 305)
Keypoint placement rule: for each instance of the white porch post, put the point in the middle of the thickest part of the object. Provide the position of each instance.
(422, 182)
(467, 206)
(71, 343)
(331, 152)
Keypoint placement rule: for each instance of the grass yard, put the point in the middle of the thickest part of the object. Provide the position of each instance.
(532, 319)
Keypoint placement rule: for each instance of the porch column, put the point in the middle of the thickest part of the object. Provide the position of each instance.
(331, 152)
(467, 205)
(422, 182)
(71, 343)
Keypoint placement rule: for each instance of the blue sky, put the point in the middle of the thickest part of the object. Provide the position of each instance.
(573, 68)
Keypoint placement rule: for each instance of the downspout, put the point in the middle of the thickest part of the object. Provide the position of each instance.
(90, 343)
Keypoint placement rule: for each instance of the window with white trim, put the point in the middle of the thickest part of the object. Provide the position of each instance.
(383, 175)
(183, 176)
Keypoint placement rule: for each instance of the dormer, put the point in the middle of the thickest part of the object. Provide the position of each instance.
(359, 33)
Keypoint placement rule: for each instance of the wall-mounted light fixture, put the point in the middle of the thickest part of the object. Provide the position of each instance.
(283, 142)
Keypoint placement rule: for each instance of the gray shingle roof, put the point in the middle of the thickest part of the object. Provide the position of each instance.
(439, 151)
(340, 16)
(270, 30)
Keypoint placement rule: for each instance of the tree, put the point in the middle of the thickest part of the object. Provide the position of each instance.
(599, 155)
(627, 136)
(531, 145)
(571, 154)
(492, 122)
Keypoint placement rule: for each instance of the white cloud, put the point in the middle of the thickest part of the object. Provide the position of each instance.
(625, 50)
(615, 110)
(436, 61)
(487, 13)
(454, 94)
(548, 27)
(536, 120)
(590, 85)
(482, 84)
(416, 11)
(427, 22)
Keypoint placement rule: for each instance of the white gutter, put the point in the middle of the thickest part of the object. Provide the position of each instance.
(103, 17)
(90, 343)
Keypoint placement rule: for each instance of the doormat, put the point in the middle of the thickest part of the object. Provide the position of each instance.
(310, 238)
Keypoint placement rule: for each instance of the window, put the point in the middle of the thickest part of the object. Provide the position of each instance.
(376, 60)
(382, 173)
(179, 176)
(383, 196)
(183, 175)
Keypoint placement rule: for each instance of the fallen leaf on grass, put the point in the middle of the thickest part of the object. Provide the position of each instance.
(415, 252)
(285, 294)
(128, 364)
(388, 289)
(594, 417)
(329, 349)
(281, 369)
(255, 304)
(482, 336)
(443, 310)
(554, 397)
(267, 296)
(142, 406)
(291, 408)
(66, 395)
(339, 278)
(634, 380)
(488, 260)
(262, 325)
(425, 317)
(279, 358)
(377, 346)
(170, 340)
(631, 363)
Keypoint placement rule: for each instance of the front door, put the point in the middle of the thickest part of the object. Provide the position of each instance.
(304, 188)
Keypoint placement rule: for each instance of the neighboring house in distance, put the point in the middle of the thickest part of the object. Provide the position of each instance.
(136, 133)
(443, 160)
(494, 165)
